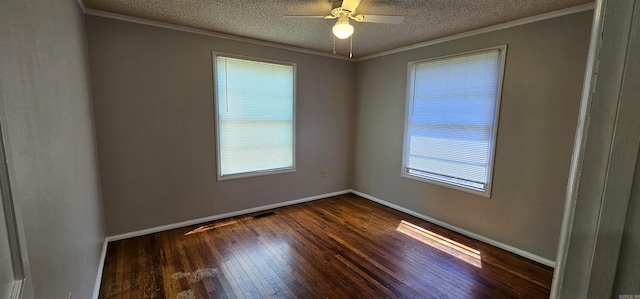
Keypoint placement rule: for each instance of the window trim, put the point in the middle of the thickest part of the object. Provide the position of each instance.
(274, 171)
(502, 49)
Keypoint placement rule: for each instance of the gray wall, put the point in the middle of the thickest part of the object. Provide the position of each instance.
(542, 85)
(153, 96)
(627, 279)
(6, 267)
(627, 276)
(45, 113)
(598, 257)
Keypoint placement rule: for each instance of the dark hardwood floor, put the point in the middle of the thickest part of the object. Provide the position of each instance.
(339, 247)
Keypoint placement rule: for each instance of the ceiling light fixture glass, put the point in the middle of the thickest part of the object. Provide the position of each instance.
(342, 29)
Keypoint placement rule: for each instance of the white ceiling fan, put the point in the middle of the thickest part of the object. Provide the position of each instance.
(343, 10)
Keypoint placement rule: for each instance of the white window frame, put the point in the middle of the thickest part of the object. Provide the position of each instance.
(492, 144)
(216, 101)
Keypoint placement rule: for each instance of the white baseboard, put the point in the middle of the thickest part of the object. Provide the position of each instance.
(103, 255)
(220, 216)
(467, 233)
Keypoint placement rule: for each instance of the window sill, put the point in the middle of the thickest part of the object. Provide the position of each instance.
(484, 193)
(255, 174)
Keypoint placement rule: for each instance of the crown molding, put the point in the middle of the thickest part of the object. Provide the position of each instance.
(121, 17)
(528, 20)
(82, 7)
(537, 18)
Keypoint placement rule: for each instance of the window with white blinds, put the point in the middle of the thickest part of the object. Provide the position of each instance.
(255, 116)
(451, 119)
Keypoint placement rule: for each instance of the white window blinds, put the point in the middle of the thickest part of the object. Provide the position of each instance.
(451, 118)
(255, 116)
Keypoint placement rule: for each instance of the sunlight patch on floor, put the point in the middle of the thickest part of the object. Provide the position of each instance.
(460, 251)
(209, 227)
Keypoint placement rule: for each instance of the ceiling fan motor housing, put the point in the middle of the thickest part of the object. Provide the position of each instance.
(337, 10)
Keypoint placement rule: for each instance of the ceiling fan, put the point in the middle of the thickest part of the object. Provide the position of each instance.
(343, 10)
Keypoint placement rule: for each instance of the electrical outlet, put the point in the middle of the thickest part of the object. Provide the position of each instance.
(323, 174)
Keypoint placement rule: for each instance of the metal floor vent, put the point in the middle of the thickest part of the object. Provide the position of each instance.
(262, 215)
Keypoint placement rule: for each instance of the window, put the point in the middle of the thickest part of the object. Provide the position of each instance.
(254, 116)
(451, 119)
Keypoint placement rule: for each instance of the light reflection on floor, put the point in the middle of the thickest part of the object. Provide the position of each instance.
(460, 251)
(272, 258)
(268, 253)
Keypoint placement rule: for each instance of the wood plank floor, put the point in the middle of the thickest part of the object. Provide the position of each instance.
(338, 247)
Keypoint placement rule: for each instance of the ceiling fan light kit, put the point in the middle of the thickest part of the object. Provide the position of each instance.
(342, 29)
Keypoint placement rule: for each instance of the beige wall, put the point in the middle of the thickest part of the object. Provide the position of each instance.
(154, 117)
(542, 85)
(153, 97)
(46, 118)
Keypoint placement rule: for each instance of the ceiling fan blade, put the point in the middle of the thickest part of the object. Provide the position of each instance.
(379, 19)
(350, 5)
(307, 17)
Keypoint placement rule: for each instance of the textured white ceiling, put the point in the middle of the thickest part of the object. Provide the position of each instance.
(262, 20)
